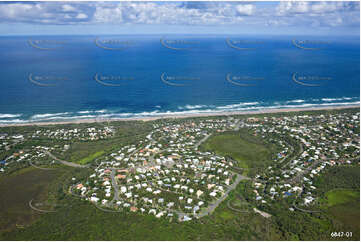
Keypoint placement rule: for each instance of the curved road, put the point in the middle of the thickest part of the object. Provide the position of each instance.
(214, 205)
(67, 163)
(300, 209)
(201, 141)
(41, 168)
(39, 210)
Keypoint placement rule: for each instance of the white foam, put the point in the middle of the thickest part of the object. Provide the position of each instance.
(68, 117)
(92, 111)
(337, 99)
(188, 109)
(296, 101)
(237, 107)
(46, 115)
(6, 115)
(11, 121)
(101, 111)
(231, 106)
(311, 105)
(331, 99)
(84, 112)
(192, 106)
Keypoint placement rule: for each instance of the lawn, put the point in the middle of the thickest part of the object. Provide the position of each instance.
(349, 215)
(344, 206)
(248, 150)
(342, 196)
(91, 157)
(339, 189)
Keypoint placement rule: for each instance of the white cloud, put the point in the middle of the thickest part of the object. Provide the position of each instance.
(323, 7)
(317, 14)
(336, 22)
(245, 9)
(292, 8)
(170, 13)
(293, 13)
(81, 16)
(68, 8)
(15, 10)
(104, 15)
(313, 8)
(41, 13)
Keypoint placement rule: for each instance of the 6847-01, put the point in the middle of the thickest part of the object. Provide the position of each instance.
(341, 234)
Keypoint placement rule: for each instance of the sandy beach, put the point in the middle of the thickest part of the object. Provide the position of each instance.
(210, 114)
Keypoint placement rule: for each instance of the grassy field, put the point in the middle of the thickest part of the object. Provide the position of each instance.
(91, 157)
(339, 190)
(342, 196)
(349, 215)
(250, 151)
(344, 206)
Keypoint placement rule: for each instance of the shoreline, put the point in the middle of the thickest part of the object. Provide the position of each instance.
(193, 115)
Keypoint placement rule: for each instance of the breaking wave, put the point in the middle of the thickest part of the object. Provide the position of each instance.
(104, 114)
(5, 115)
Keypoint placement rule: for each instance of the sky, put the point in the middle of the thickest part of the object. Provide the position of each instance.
(94, 18)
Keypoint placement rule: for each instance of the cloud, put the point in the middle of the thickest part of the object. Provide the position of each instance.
(245, 9)
(323, 7)
(41, 13)
(314, 14)
(106, 15)
(12, 11)
(315, 8)
(317, 14)
(170, 13)
(68, 8)
(285, 8)
(81, 16)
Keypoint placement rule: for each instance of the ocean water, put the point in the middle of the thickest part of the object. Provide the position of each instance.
(50, 78)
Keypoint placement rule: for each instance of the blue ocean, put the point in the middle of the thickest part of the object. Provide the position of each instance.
(58, 78)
